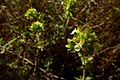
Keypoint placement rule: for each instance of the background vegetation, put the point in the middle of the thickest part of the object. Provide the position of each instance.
(44, 39)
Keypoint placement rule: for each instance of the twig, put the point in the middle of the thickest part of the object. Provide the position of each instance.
(109, 48)
(41, 69)
(4, 47)
(103, 51)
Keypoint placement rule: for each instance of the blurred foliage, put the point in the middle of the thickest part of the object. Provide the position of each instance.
(33, 35)
(31, 13)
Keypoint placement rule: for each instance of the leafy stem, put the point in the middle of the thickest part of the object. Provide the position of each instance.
(82, 57)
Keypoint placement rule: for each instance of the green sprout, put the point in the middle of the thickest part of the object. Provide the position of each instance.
(37, 26)
(68, 4)
(83, 41)
(31, 13)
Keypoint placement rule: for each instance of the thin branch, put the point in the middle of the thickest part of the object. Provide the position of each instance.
(41, 69)
(10, 42)
(109, 48)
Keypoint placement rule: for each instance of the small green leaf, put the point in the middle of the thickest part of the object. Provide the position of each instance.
(90, 58)
(89, 39)
(22, 40)
(67, 46)
(69, 41)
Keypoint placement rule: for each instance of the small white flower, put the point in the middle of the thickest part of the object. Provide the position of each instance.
(74, 31)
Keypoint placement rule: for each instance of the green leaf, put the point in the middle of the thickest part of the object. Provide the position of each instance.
(69, 41)
(67, 46)
(89, 39)
(90, 58)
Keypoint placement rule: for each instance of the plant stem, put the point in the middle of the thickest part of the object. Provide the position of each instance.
(82, 57)
(83, 78)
